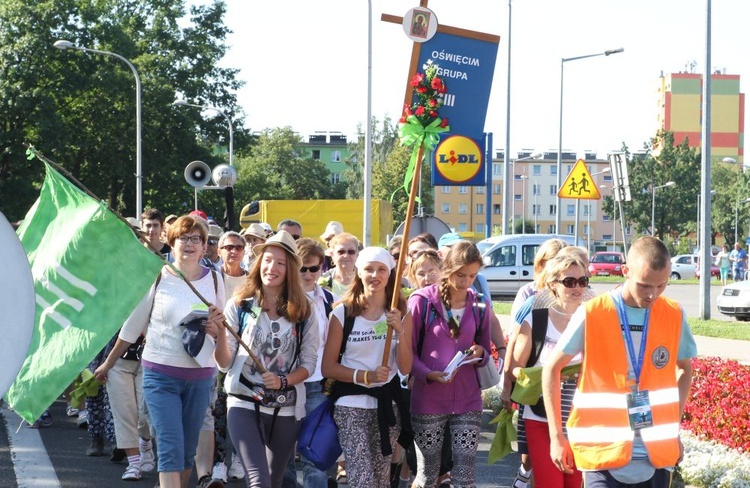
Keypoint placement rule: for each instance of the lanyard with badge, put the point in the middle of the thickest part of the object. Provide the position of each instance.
(639, 407)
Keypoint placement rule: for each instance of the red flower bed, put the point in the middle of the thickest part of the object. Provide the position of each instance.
(717, 407)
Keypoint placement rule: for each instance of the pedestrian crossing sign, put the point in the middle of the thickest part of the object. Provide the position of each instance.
(579, 184)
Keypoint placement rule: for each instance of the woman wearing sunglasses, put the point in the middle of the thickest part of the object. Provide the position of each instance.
(563, 286)
(344, 249)
(276, 319)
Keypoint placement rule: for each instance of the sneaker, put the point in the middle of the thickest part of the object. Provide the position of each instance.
(148, 460)
(522, 480)
(236, 471)
(83, 419)
(220, 472)
(207, 482)
(132, 473)
(46, 419)
(71, 411)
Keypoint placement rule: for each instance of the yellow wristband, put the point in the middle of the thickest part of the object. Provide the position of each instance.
(367, 380)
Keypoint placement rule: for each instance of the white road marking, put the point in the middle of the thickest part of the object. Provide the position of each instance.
(30, 460)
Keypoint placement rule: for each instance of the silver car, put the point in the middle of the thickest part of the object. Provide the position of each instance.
(735, 300)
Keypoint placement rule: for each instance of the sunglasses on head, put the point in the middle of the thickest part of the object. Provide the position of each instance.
(312, 269)
(350, 252)
(571, 282)
(233, 247)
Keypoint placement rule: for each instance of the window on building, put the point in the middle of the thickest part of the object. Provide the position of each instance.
(606, 218)
(585, 229)
(463, 190)
(335, 156)
(536, 189)
(446, 208)
(569, 229)
(553, 209)
(446, 189)
(586, 209)
(518, 197)
(479, 228)
(480, 190)
(568, 168)
(497, 168)
(335, 178)
(535, 209)
(538, 229)
(462, 227)
(517, 177)
(480, 208)
(553, 169)
(537, 170)
(571, 210)
(495, 189)
(607, 237)
(316, 154)
(496, 209)
(463, 208)
(627, 230)
(551, 229)
(553, 190)
(607, 177)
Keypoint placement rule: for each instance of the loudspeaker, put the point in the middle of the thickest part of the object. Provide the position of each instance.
(197, 173)
(224, 175)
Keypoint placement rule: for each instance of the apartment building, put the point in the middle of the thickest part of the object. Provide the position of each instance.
(331, 148)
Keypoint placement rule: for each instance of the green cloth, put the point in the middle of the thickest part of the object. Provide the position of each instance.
(413, 133)
(528, 387)
(90, 272)
(504, 435)
(85, 385)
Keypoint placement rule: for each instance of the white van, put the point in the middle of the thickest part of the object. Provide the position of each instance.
(509, 260)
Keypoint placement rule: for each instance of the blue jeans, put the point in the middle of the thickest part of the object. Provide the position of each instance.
(313, 477)
(177, 408)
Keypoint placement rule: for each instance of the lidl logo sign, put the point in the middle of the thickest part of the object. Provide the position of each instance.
(458, 159)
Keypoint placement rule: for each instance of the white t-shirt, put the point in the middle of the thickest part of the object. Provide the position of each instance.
(364, 350)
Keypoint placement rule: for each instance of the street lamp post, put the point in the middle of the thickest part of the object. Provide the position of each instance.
(558, 216)
(736, 217)
(698, 222)
(653, 201)
(62, 44)
(183, 103)
(523, 203)
(535, 155)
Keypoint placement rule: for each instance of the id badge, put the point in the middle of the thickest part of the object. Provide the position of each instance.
(639, 410)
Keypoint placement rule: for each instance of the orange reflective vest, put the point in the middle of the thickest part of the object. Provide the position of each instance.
(598, 428)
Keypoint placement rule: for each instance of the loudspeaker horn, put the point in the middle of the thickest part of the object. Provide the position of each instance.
(224, 175)
(197, 174)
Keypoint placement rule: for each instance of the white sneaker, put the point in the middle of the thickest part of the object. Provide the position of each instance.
(83, 419)
(219, 472)
(148, 460)
(236, 471)
(132, 473)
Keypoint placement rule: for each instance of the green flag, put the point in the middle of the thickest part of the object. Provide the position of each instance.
(90, 271)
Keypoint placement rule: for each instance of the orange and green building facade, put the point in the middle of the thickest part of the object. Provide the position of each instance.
(681, 106)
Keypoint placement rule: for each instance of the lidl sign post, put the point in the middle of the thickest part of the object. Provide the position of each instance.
(466, 61)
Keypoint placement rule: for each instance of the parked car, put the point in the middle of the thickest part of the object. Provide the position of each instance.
(715, 272)
(509, 260)
(735, 300)
(606, 263)
(683, 266)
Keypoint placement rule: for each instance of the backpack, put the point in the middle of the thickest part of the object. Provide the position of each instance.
(480, 304)
(539, 324)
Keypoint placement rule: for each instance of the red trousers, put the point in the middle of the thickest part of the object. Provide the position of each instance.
(546, 473)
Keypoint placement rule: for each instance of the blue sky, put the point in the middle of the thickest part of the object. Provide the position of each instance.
(305, 63)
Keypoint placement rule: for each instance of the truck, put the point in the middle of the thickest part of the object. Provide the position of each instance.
(314, 215)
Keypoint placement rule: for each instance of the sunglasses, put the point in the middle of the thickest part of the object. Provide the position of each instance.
(296, 236)
(396, 255)
(350, 252)
(312, 269)
(233, 247)
(213, 242)
(275, 339)
(571, 282)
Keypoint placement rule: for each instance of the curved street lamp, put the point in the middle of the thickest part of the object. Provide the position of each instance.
(609, 52)
(63, 45)
(183, 103)
(653, 201)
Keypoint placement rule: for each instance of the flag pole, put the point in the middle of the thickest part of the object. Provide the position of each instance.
(404, 247)
(141, 236)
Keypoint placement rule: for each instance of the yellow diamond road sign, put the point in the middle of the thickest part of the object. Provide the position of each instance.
(579, 184)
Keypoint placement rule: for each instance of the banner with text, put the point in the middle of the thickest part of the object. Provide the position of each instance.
(467, 66)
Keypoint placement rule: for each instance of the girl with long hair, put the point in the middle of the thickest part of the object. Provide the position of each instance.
(366, 390)
(449, 318)
(276, 319)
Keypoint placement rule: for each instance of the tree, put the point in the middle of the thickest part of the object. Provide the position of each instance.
(388, 181)
(79, 109)
(384, 141)
(278, 169)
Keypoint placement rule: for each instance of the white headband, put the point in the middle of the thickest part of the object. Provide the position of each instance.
(375, 254)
